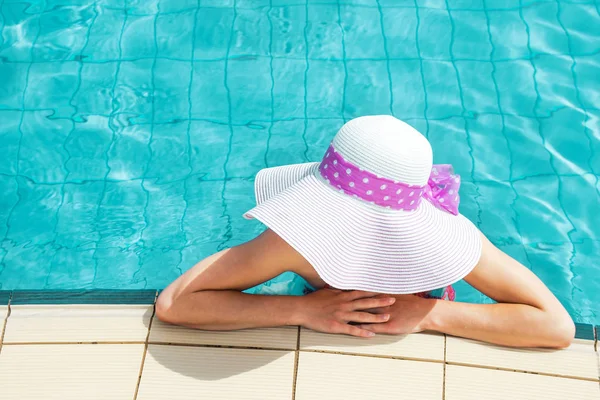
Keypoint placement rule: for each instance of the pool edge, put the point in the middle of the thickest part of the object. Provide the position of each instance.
(147, 297)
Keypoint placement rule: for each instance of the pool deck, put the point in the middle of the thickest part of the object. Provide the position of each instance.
(53, 348)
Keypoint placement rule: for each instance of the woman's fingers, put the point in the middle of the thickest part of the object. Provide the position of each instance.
(378, 310)
(358, 294)
(375, 328)
(365, 317)
(373, 302)
(353, 330)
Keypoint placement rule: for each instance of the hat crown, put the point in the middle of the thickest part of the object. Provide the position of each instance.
(386, 146)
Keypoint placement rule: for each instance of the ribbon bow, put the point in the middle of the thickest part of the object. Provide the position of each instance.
(442, 188)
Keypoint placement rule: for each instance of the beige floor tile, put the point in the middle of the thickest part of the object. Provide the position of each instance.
(181, 372)
(77, 323)
(272, 338)
(344, 377)
(69, 371)
(579, 360)
(466, 383)
(420, 346)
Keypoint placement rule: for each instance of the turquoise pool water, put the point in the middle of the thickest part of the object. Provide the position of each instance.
(130, 131)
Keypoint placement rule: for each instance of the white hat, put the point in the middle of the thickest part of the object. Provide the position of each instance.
(375, 214)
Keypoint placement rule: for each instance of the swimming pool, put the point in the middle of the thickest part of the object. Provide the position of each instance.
(130, 131)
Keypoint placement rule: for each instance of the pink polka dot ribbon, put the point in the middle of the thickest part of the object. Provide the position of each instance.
(441, 189)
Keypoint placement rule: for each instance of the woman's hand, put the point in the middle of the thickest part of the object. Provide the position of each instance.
(332, 311)
(407, 315)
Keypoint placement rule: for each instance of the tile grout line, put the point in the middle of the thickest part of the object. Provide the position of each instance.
(5, 323)
(146, 344)
(445, 364)
(71, 343)
(386, 357)
(296, 362)
(596, 332)
(522, 371)
(598, 365)
(220, 346)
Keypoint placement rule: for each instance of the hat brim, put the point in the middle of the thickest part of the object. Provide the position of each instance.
(354, 245)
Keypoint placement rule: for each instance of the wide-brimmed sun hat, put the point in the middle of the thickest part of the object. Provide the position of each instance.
(375, 214)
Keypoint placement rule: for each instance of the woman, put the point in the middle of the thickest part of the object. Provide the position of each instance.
(375, 231)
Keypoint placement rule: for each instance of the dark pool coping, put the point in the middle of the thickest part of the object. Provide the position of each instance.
(145, 297)
(129, 297)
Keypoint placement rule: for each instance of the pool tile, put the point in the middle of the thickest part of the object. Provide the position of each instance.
(33, 207)
(434, 46)
(555, 87)
(584, 331)
(528, 154)
(449, 135)
(213, 32)
(420, 346)
(268, 338)
(324, 23)
(282, 149)
(70, 371)
(515, 73)
(484, 134)
(570, 156)
(77, 323)
(466, 383)
(359, 78)
(57, 81)
(322, 102)
(406, 77)
(180, 372)
(248, 80)
(544, 30)
(171, 30)
(582, 22)
(287, 25)
(478, 89)
(537, 196)
(472, 24)
(4, 297)
(367, 42)
(585, 69)
(445, 105)
(334, 376)
(579, 360)
(8, 92)
(103, 36)
(504, 24)
(135, 45)
(497, 221)
(173, 105)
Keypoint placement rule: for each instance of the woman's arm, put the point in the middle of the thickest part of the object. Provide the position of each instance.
(527, 313)
(209, 296)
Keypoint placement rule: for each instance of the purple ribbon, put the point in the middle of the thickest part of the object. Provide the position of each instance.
(441, 189)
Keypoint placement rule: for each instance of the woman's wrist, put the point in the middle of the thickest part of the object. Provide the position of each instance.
(296, 311)
(432, 321)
